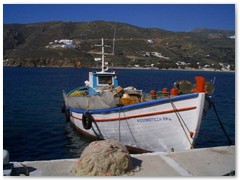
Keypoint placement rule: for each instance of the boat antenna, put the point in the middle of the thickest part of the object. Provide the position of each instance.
(114, 35)
(103, 62)
(214, 79)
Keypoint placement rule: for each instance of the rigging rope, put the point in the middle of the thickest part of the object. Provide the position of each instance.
(221, 124)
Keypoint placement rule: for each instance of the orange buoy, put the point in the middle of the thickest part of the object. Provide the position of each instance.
(200, 84)
(153, 92)
(165, 90)
(174, 91)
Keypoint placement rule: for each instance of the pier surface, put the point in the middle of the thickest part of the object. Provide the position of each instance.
(216, 161)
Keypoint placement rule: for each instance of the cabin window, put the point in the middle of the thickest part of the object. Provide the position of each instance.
(105, 80)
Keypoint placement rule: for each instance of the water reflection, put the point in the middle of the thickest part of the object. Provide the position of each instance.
(76, 142)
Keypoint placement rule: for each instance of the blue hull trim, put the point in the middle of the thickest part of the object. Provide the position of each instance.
(136, 106)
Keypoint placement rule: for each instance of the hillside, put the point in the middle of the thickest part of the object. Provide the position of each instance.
(71, 44)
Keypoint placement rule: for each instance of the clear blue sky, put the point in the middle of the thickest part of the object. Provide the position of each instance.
(173, 17)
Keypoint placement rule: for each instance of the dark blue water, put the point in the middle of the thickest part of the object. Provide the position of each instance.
(35, 129)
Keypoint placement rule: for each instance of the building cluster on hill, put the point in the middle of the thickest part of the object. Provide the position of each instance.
(64, 43)
(153, 54)
(207, 67)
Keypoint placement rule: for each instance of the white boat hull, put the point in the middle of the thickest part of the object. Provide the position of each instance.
(159, 125)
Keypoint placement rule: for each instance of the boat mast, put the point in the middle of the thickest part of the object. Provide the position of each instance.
(103, 62)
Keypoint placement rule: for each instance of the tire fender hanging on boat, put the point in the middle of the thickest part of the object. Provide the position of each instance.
(87, 120)
(63, 107)
(67, 114)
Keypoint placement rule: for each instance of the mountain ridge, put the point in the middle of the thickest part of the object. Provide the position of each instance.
(26, 45)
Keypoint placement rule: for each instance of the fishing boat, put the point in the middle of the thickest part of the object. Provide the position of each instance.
(144, 122)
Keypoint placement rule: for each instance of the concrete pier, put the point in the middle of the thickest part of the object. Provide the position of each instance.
(216, 161)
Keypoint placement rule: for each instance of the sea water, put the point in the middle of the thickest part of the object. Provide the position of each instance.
(35, 129)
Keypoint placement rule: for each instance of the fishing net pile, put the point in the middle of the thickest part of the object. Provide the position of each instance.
(103, 158)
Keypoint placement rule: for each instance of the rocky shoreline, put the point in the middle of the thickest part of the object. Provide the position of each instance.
(78, 65)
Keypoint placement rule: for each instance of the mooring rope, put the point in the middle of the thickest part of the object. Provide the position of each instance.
(119, 126)
(221, 124)
(181, 121)
(176, 111)
(130, 129)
